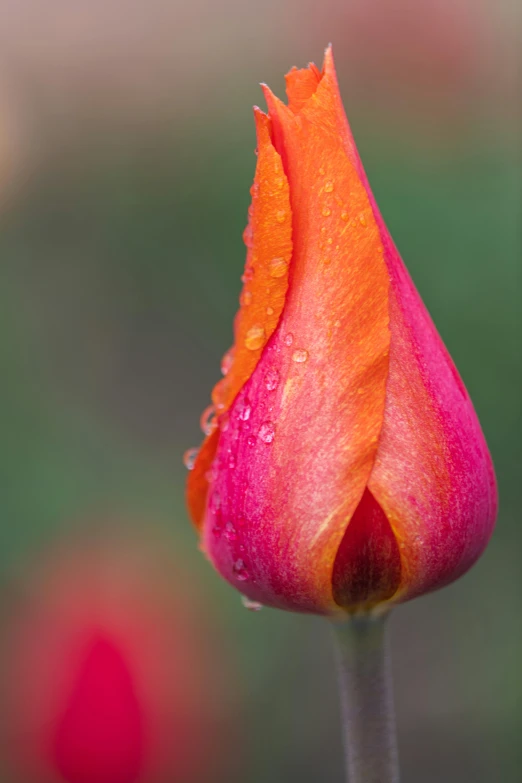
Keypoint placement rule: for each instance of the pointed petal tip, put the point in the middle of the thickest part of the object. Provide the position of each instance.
(328, 62)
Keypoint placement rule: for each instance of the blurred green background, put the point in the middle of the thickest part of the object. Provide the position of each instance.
(126, 156)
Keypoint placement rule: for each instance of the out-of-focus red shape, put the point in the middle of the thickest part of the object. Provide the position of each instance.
(430, 57)
(108, 665)
(100, 737)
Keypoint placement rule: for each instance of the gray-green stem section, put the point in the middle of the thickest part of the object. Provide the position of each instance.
(365, 679)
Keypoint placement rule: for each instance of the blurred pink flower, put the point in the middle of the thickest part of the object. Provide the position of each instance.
(108, 678)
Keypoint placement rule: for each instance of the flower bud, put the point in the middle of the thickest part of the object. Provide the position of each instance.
(346, 468)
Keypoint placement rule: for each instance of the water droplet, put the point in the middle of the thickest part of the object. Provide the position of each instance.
(246, 298)
(267, 432)
(248, 236)
(231, 462)
(252, 606)
(329, 241)
(230, 532)
(251, 440)
(300, 356)
(227, 361)
(215, 502)
(189, 458)
(362, 220)
(281, 216)
(269, 310)
(248, 274)
(254, 190)
(321, 171)
(328, 186)
(255, 338)
(244, 410)
(289, 339)
(278, 267)
(208, 420)
(327, 211)
(240, 571)
(272, 379)
(345, 216)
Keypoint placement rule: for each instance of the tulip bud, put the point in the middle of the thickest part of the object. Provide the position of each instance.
(344, 467)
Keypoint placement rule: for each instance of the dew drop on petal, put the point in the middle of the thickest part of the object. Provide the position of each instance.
(327, 211)
(255, 338)
(246, 298)
(230, 532)
(269, 310)
(272, 379)
(244, 410)
(189, 458)
(281, 216)
(208, 420)
(251, 441)
(345, 216)
(231, 462)
(248, 274)
(278, 267)
(227, 361)
(300, 356)
(328, 186)
(248, 236)
(362, 220)
(289, 339)
(215, 502)
(252, 606)
(266, 432)
(240, 571)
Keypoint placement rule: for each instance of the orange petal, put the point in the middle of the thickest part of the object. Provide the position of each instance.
(197, 482)
(301, 83)
(269, 241)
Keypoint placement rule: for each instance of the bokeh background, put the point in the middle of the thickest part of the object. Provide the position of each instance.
(126, 156)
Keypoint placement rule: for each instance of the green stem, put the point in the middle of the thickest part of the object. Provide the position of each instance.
(367, 700)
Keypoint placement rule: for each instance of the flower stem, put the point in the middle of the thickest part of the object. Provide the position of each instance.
(367, 700)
